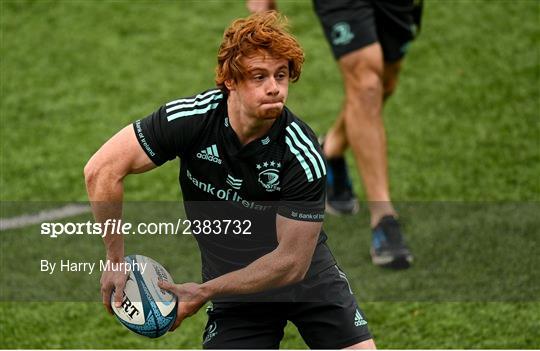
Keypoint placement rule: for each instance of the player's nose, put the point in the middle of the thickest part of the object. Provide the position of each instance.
(272, 87)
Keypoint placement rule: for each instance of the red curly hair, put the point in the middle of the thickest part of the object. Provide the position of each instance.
(261, 33)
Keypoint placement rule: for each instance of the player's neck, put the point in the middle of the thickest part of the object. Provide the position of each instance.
(248, 128)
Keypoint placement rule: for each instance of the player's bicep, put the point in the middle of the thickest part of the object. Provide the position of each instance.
(297, 238)
(122, 154)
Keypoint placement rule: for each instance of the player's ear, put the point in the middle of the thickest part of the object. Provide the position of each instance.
(230, 84)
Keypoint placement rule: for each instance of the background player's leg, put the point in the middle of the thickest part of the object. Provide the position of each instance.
(340, 198)
(335, 142)
(390, 77)
(363, 78)
(368, 83)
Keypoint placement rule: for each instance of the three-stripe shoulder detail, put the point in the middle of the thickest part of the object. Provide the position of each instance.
(197, 105)
(305, 152)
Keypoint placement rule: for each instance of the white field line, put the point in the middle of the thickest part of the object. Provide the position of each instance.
(42, 216)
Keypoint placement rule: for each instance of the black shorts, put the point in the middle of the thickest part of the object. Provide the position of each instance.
(324, 310)
(350, 25)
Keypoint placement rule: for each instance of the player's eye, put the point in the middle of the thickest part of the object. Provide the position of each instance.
(258, 77)
(282, 75)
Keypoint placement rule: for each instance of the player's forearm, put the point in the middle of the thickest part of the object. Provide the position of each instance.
(105, 192)
(270, 271)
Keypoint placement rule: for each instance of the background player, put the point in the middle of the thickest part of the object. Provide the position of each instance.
(241, 141)
(369, 39)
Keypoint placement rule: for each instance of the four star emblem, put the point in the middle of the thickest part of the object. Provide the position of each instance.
(266, 164)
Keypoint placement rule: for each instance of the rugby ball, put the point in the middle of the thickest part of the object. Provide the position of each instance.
(146, 309)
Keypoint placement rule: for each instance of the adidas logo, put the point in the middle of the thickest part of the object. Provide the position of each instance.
(210, 154)
(358, 319)
(233, 182)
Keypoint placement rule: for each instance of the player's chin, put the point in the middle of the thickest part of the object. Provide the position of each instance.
(271, 113)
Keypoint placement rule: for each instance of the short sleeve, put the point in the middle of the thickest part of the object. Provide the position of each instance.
(169, 131)
(303, 186)
(156, 137)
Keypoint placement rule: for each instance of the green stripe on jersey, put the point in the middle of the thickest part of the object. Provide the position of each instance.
(192, 112)
(310, 144)
(198, 97)
(301, 159)
(198, 103)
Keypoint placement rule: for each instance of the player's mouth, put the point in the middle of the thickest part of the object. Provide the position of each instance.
(273, 104)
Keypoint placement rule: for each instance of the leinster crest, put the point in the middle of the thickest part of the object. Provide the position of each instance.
(269, 175)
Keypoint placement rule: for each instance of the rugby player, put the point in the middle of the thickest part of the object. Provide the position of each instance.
(239, 145)
(369, 39)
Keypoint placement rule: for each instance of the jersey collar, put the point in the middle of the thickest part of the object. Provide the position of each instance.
(235, 148)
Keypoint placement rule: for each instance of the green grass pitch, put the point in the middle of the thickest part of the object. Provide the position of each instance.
(463, 131)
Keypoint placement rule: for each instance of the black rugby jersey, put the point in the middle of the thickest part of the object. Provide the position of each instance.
(282, 172)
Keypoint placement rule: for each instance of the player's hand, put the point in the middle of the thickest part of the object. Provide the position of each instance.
(190, 299)
(112, 280)
(255, 6)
